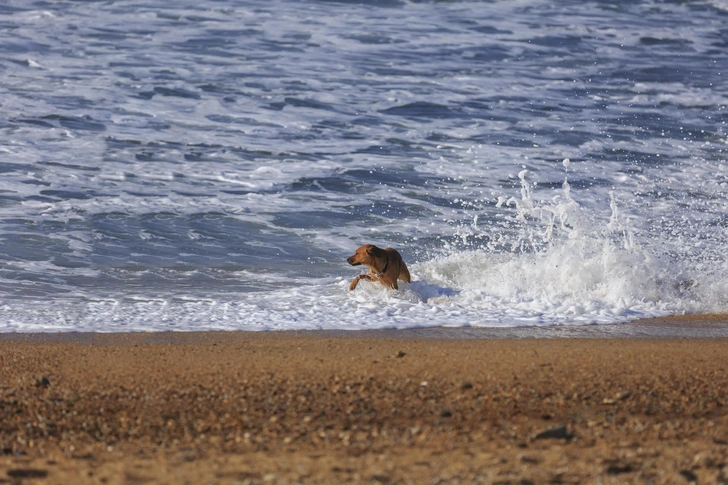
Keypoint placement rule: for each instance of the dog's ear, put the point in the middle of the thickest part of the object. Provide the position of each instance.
(375, 252)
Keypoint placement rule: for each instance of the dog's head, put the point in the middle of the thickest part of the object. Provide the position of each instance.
(367, 255)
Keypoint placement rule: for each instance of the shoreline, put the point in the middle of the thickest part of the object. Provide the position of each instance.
(697, 326)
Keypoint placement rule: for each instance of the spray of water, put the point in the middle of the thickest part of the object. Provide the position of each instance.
(562, 259)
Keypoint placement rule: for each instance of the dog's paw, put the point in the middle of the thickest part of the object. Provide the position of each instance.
(354, 282)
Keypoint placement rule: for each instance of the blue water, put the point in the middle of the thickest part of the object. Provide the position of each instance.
(212, 164)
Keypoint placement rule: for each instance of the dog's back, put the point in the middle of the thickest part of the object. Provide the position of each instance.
(403, 273)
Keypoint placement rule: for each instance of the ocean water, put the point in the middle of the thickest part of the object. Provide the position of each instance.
(211, 164)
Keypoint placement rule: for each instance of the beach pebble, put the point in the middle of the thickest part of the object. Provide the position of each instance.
(43, 382)
(555, 433)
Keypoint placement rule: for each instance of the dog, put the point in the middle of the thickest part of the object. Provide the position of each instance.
(385, 266)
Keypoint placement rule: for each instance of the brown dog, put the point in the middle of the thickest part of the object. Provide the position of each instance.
(385, 266)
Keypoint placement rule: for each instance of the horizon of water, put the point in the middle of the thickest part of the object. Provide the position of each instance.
(210, 165)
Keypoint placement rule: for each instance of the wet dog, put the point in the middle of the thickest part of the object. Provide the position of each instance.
(385, 266)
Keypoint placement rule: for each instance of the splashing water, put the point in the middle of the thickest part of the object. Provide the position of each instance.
(563, 260)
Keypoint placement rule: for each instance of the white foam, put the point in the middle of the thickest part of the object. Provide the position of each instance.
(568, 268)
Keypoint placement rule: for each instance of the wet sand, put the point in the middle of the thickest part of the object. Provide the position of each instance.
(638, 404)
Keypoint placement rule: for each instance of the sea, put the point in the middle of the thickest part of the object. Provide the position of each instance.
(211, 164)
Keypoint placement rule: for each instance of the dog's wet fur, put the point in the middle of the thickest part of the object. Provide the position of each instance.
(385, 266)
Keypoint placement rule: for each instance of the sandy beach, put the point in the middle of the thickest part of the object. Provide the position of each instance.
(317, 407)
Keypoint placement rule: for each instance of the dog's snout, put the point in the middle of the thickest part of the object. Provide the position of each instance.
(352, 260)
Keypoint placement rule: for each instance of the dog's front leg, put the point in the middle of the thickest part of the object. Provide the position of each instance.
(355, 281)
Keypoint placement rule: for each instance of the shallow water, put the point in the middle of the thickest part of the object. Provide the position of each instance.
(211, 164)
